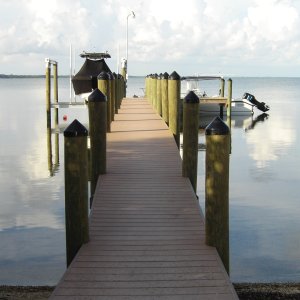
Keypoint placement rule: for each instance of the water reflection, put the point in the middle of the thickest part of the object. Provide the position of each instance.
(53, 167)
(264, 184)
(247, 122)
(261, 118)
(269, 143)
(31, 202)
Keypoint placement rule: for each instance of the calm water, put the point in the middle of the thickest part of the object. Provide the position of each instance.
(264, 178)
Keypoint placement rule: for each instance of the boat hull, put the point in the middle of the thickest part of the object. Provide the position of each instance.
(237, 108)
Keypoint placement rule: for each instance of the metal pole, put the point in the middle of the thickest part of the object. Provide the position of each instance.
(71, 73)
(127, 39)
(133, 15)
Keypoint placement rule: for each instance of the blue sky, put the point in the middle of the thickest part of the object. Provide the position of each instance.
(235, 38)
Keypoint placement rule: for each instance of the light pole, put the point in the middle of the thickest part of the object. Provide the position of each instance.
(133, 16)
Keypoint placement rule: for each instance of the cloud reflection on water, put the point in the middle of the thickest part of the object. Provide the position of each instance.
(270, 142)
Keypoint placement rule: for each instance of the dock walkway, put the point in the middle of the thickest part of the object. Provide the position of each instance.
(147, 237)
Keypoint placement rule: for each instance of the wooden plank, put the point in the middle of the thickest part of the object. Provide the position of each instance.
(147, 238)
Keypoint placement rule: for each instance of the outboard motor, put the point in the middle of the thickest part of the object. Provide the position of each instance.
(260, 105)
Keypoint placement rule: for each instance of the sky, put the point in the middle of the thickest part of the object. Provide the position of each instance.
(211, 37)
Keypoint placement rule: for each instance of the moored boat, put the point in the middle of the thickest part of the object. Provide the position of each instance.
(242, 106)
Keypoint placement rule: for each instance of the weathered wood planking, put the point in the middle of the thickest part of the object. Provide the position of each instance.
(147, 238)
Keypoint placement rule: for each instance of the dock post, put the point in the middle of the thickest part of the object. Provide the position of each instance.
(222, 87)
(55, 92)
(164, 97)
(48, 92)
(229, 98)
(111, 83)
(121, 90)
(76, 188)
(151, 89)
(217, 188)
(97, 105)
(103, 86)
(174, 102)
(154, 91)
(190, 138)
(147, 87)
(125, 78)
(116, 86)
(118, 80)
(120, 77)
(158, 94)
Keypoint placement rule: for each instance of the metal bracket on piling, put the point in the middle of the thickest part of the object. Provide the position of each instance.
(49, 62)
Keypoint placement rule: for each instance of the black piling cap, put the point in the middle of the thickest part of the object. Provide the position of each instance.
(174, 76)
(155, 76)
(191, 97)
(110, 76)
(75, 129)
(165, 75)
(97, 96)
(103, 76)
(217, 127)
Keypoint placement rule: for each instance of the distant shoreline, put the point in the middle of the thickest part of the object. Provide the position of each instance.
(10, 76)
(5, 76)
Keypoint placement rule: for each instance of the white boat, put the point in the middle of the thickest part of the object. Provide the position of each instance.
(242, 106)
(238, 107)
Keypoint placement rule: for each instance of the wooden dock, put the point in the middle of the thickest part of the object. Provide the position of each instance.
(147, 237)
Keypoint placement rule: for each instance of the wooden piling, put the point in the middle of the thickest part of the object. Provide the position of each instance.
(111, 83)
(116, 87)
(124, 83)
(217, 188)
(158, 95)
(222, 87)
(174, 102)
(48, 93)
(229, 98)
(190, 138)
(76, 188)
(164, 97)
(103, 86)
(97, 106)
(147, 87)
(121, 89)
(55, 92)
(151, 89)
(154, 91)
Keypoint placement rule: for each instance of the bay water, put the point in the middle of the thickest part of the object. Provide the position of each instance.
(264, 182)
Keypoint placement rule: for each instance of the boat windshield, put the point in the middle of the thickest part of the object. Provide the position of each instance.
(192, 83)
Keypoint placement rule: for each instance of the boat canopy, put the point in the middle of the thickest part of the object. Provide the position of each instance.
(86, 78)
(189, 78)
(95, 55)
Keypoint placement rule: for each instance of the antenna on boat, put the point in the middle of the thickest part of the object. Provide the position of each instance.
(71, 72)
(118, 59)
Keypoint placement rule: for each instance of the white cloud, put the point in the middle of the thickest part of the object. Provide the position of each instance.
(206, 34)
